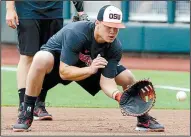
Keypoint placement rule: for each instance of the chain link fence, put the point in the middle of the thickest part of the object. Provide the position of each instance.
(182, 13)
(157, 11)
(148, 11)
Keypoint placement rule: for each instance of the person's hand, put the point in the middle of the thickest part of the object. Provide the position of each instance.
(97, 63)
(12, 18)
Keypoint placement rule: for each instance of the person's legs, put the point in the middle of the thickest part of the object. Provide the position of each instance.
(42, 64)
(28, 38)
(48, 27)
(22, 71)
(144, 122)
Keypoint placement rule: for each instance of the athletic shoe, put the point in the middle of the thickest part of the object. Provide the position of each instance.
(149, 123)
(20, 109)
(40, 112)
(24, 121)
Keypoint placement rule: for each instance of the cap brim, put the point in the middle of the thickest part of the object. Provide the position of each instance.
(114, 25)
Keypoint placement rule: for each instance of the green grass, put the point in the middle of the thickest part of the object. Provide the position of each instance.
(74, 96)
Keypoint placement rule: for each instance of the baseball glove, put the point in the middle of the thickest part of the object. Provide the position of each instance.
(138, 99)
(80, 18)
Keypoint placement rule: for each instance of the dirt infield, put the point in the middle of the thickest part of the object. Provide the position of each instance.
(89, 121)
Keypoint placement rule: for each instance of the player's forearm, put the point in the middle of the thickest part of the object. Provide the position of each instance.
(75, 73)
(109, 87)
(10, 5)
(79, 6)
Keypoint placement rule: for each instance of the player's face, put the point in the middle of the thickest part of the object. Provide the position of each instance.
(108, 34)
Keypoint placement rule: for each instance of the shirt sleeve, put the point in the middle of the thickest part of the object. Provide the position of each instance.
(114, 56)
(71, 46)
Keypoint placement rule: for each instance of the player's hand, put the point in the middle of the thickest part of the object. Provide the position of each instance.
(12, 18)
(97, 63)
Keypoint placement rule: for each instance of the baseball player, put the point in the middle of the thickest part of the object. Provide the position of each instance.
(36, 22)
(87, 53)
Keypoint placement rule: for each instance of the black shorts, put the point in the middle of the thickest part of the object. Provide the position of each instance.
(90, 84)
(33, 33)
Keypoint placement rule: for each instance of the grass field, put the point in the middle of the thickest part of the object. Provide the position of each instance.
(74, 96)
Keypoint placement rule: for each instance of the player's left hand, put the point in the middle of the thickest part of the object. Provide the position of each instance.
(138, 99)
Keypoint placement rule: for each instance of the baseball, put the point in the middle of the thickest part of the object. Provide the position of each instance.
(181, 96)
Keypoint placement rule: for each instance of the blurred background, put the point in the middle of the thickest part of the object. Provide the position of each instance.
(151, 26)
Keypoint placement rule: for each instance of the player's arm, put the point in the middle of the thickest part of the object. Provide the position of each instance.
(72, 45)
(69, 72)
(107, 80)
(109, 87)
(11, 15)
(73, 73)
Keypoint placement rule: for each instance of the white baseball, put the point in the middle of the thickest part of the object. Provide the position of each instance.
(181, 96)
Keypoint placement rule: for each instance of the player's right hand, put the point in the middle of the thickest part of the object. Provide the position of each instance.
(97, 63)
(12, 18)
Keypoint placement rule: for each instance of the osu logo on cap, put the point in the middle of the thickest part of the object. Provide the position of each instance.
(114, 16)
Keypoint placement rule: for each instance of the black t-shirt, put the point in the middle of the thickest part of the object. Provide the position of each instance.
(39, 9)
(78, 47)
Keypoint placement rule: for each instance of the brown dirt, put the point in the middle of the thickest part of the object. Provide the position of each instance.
(95, 121)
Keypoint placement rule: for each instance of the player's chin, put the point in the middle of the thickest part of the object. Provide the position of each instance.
(110, 40)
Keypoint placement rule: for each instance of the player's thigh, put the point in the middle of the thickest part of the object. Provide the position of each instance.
(124, 76)
(91, 84)
(49, 28)
(28, 37)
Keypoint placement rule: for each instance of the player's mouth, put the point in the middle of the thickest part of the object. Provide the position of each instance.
(111, 37)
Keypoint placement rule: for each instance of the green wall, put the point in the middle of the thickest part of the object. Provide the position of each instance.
(142, 37)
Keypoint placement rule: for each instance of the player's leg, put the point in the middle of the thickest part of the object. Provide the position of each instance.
(124, 77)
(42, 64)
(28, 38)
(51, 79)
(48, 28)
(145, 122)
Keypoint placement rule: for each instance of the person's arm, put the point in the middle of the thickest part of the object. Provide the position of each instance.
(10, 4)
(109, 87)
(11, 15)
(74, 73)
(72, 45)
(107, 80)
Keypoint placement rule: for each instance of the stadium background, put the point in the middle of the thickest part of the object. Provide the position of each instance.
(146, 22)
(157, 31)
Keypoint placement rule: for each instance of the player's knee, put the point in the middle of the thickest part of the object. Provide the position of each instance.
(125, 78)
(43, 61)
(130, 79)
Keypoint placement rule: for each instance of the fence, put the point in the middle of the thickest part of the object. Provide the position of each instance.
(152, 26)
(157, 11)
